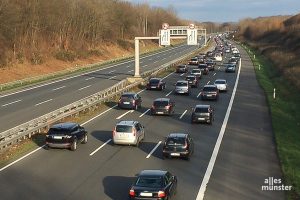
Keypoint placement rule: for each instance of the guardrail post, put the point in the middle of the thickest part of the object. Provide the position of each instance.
(274, 93)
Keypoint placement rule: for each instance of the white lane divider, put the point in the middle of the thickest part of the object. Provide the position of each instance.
(207, 82)
(199, 94)
(214, 74)
(43, 102)
(84, 87)
(144, 66)
(181, 116)
(99, 115)
(167, 75)
(214, 155)
(218, 67)
(59, 88)
(112, 77)
(100, 147)
(156, 61)
(89, 78)
(128, 66)
(111, 71)
(129, 111)
(11, 103)
(182, 74)
(169, 93)
(157, 145)
(144, 113)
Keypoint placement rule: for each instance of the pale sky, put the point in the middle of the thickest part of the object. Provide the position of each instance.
(226, 10)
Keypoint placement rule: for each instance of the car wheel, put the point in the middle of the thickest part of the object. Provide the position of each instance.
(85, 139)
(74, 145)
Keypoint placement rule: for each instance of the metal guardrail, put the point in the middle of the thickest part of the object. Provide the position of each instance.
(27, 129)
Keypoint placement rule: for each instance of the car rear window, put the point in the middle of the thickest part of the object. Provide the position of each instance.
(190, 78)
(127, 96)
(220, 82)
(201, 110)
(149, 181)
(202, 66)
(160, 103)
(154, 81)
(181, 84)
(209, 89)
(175, 141)
(124, 128)
(195, 71)
(181, 67)
(194, 59)
(58, 131)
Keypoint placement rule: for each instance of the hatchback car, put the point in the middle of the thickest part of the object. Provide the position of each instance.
(182, 87)
(221, 85)
(130, 101)
(210, 92)
(204, 68)
(230, 67)
(194, 61)
(153, 184)
(210, 64)
(128, 133)
(181, 69)
(156, 84)
(66, 135)
(197, 73)
(162, 106)
(202, 113)
(178, 145)
(193, 80)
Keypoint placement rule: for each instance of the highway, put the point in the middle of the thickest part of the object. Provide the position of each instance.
(100, 170)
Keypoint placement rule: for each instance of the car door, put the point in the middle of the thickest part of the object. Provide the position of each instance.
(191, 144)
(76, 132)
(170, 184)
(138, 131)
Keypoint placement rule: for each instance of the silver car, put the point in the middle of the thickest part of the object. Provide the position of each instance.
(182, 87)
(196, 72)
(221, 84)
(128, 133)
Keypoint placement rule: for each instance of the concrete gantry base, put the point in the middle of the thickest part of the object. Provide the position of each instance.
(134, 79)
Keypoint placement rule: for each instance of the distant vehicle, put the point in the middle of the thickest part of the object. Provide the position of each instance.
(193, 80)
(182, 87)
(130, 100)
(204, 68)
(178, 145)
(162, 106)
(230, 68)
(234, 50)
(227, 50)
(153, 184)
(218, 57)
(209, 92)
(209, 54)
(156, 83)
(234, 60)
(221, 84)
(202, 113)
(197, 73)
(66, 135)
(181, 69)
(194, 61)
(128, 133)
(210, 64)
(237, 55)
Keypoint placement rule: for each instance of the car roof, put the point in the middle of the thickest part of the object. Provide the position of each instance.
(182, 65)
(129, 123)
(128, 93)
(162, 99)
(210, 86)
(190, 76)
(152, 173)
(66, 125)
(179, 81)
(220, 80)
(155, 79)
(181, 135)
(202, 106)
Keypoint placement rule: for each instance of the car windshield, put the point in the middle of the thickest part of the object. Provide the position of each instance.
(201, 110)
(190, 78)
(209, 88)
(220, 82)
(175, 141)
(124, 128)
(58, 131)
(154, 81)
(160, 103)
(181, 84)
(149, 181)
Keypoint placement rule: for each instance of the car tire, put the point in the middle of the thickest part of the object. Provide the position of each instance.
(85, 139)
(74, 145)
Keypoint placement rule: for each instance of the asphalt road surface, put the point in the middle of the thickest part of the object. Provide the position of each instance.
(100, 170)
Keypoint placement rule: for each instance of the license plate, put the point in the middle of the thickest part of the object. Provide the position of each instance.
(126, 103)
(160, 113)
(153, 87)
(175, 154)
(146, 194)
(57, 137)
(201, 118)
(209, 95)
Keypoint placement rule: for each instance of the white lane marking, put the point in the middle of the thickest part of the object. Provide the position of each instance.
(141, 91)
(207, 82)
(129, 111)
(12, 102)
(141, 62)
(128, 66)
(111, 71)
(100, 147)
(158, 56)
(181, 74)
(214, 155)
(144, 66)
(214, 74)
(149, 58)
(156, 61)
(169, 93)
(168, 75)
(218, 67)
(130, 70)
(89, 78)
(199, 94)
(112, 77)
(43, 102)
(84, 87)
(182, 114)
(153, 149)
(144, 113)
(59, 88)
(99, 115)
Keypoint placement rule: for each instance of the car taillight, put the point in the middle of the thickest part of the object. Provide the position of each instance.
(134, 132)
(161, 194)
(114, 132)
(131, 193)
(167, 107)
(133, 101)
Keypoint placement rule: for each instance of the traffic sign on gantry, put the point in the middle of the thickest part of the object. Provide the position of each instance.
(165, 38)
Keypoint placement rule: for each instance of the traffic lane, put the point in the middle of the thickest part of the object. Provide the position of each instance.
(248, 153)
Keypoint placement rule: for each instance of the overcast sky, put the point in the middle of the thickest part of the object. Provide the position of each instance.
(226, 10)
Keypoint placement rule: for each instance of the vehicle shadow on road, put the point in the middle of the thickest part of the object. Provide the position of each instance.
(147, 147)
(102, 135)
(117, 187)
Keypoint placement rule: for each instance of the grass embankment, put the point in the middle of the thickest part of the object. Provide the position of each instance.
(285, 118)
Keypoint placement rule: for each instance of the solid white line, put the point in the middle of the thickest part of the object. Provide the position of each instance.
(153, 149)
(43, 102)
(218, 67)
(169, 93)
(144, 113)
(85, 87)
(214, 155)
(207, 82)
(100, 147)
(183, 114)
(112, 77)
(89, 78)
(215, 74)
(199, 94)
(168, 75)
(59, 88)
(11, 103)
(129, 111)
(99, 115)
(181, 74)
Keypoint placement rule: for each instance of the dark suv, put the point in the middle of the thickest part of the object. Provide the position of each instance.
(130, 101)
(193, 80)
(178, 145)
(210, 92)
(163, 106)
(156, 83)
(204, 68)
(210, 64)
(66, 135)
(202, 113)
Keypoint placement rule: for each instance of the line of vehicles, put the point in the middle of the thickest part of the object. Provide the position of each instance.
(158, 184)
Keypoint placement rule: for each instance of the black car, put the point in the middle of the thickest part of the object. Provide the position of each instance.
(163, 106)
(204, 68)
(156, 83)
(181, 69)
(210, 92)
(130, 101)
(210, 64)
(202, 113)
(178, 145)
(194, 61)
(192, 80)
(153, 184)
(234, 60)
(66, 135)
